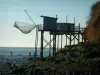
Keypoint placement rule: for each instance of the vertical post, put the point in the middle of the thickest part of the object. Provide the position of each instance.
(50, 46)
(74, 38)
(66, 18)
(74, 26)
(70, 39)
(79, 34)
(82, 36)
(74, 20)
(54, 44)
(66, 33)
(58, 43)
(41, 53)
(66, 39)
(74, 30)
(61, 41)
(55, 39)
(36, 42)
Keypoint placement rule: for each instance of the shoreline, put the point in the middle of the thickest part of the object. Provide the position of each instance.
(76, 60)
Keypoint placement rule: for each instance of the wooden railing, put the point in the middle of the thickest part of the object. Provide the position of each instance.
(77, 28)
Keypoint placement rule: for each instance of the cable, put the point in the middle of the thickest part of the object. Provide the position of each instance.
(36, 43)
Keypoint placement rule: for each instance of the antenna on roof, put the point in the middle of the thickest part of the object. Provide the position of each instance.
(74, 20)
(66, 18)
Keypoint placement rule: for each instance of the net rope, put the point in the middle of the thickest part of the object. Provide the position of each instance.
(27, 28)
(36, 43)
(24, 27)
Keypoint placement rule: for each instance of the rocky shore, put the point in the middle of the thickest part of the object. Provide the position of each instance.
(78, 60)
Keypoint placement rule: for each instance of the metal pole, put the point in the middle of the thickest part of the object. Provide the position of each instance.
(66, 18)
(74, 20)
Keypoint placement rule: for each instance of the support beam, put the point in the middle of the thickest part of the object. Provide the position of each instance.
(61, 41)
(48, 43)
(74, 38)
(78, 38)
(58, 44)
(66, 39)
(82, 37)
(79, 34)
(70, 39)
(66, 33)
(50, 47)
(41, 53)
(54, 44)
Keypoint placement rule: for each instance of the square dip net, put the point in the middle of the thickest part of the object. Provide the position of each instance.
(24, 27)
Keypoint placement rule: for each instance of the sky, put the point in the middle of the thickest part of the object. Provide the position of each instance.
(13, 10)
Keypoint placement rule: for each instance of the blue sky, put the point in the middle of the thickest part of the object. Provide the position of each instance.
(13, 10)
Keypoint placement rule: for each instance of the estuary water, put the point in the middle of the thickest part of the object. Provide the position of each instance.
(24, 51)
(18, 56)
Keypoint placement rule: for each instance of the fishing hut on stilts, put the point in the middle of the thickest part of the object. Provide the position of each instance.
(55, 29)
(73, 33)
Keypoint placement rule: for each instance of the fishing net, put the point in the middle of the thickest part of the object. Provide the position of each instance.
(24, 27)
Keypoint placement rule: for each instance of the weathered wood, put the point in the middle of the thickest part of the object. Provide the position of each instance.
(54, 45)
(70, 39)
(50, 46)
(41, 52)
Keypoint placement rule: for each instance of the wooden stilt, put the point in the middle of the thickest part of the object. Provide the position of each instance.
(74, 38)
(79, 34)
(82, 38)
(58, 44)
(78, 38)
(41, 53)
(50, 47)
(61, 41)
(54, 44)
(70, 39)
(66, 39)
(71, 35)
